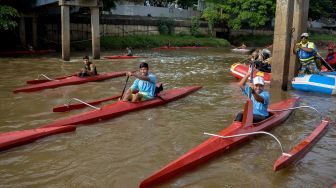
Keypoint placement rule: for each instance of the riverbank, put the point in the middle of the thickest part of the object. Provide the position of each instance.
(321, 39)
(150, 41)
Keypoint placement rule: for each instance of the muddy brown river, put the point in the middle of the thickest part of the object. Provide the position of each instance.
(121, 152)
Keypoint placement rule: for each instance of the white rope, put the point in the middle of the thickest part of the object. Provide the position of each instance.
(293, 108)
(81, 102)
(252, 133)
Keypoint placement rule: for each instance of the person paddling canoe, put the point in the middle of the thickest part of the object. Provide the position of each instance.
(89, 68)
(129, 51)
(259, 97)
(144, 85)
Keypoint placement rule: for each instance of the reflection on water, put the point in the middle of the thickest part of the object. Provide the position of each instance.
(121, 152)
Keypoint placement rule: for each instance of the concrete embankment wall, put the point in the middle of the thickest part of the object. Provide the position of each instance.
(111, 25)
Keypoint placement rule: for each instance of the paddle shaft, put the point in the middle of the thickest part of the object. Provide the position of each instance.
(122, 94)
(326, 64)
(251, 79)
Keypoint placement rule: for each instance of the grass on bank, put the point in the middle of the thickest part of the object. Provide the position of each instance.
(320, 39)
(323, 37)
(252, 40)
(150, 41)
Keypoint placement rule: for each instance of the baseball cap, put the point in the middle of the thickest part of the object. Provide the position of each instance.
(258, 80)
(304, 35)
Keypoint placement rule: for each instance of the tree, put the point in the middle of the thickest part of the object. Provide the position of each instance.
(186, 3)
(8, 17)
(211, 15)
(253, 13)
(108, 4)
(321, 8)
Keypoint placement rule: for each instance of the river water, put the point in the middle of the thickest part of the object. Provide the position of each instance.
(121, 152)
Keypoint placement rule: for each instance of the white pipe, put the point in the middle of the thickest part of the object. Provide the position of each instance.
(252, 133)
(44, 76)
(280, 110)
(83, 103)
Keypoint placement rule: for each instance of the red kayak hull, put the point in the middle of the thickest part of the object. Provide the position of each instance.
(302, 148)
(121, 107)
(26, 52)
(214, 145)
(181, 47)
(123, 57)
(12, 139)
(240, 70)
(72, 80)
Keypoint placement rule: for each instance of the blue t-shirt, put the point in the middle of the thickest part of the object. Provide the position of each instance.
(145, 86)
(258, 107)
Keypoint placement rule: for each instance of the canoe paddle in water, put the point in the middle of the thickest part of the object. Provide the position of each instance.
(122, 94)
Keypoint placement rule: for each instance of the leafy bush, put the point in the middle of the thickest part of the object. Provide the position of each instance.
(150, 41)
(166, 24)
(182, 34)
(195, 25)
(163, 29)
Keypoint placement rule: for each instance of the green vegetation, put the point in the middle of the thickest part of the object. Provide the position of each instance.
(265, 40)
(323, 37)
(321, 8)
(211, 15)
(7, 17)
(150, 41)
(166, 26)
(195, 25)
(252, 40)
(252, 13)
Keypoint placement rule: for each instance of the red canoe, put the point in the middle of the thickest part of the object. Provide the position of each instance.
(26, 52)
(16, 138)
(120, 107)
(214, 145)
(302, 148)
(123, 57)
(240, 70)
(180, 47)
(72, 80)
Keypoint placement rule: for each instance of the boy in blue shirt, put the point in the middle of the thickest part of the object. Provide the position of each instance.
(260, 98)
(144, 85)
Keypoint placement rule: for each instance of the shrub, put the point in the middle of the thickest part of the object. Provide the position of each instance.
(166, 23)
(195, 25)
